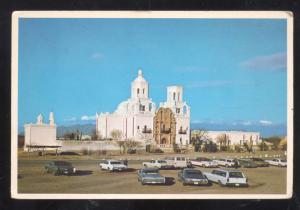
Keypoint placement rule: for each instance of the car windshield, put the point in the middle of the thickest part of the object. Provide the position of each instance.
(235, 175)
(204, 159)
(151, 172)
(115, 162)
(161, 161)
(63, 164)
(257, 159)
(193, 174)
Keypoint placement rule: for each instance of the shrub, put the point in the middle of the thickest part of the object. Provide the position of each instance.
(156, 150)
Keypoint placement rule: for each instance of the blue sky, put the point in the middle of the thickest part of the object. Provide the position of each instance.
(232, 70)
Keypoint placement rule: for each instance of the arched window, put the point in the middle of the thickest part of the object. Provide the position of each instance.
(150, 107)
(174, 95)
(143, 91)
(138, 91)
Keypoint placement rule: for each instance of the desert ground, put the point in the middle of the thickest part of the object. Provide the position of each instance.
(32, 177)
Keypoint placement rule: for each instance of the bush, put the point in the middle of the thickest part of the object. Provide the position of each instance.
(84, 152)
(176, 148)
(156, 150)
(210, 147)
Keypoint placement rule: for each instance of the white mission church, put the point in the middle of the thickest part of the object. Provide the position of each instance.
(135, 116)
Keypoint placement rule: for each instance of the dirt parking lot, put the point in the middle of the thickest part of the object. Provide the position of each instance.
(90, 179)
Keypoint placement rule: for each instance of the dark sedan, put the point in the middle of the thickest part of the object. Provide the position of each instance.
(150, 176)
(60, 168)
(192, 177)
(247, 163)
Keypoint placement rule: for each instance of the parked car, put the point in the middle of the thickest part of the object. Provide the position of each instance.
(260, 162)
(157, 164)
(192, 177)
(277, 162)
(228, 162)
(113, 165)
(204, 162)
(60, 168)
(131, 151)
(247, 163)
(227, 177)
(177, 162)
(150, 176)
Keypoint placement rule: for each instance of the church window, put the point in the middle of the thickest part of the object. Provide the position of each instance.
(150, 107)
(177, 110)
(143, 90)
(142, 107)
(138, 127)
(174, 94)
(138, 91)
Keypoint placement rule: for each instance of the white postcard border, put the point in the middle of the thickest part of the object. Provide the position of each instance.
(149, 14)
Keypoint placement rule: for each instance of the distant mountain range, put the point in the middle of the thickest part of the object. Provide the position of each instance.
(265, 130)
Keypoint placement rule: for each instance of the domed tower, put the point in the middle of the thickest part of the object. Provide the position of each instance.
(139, 87)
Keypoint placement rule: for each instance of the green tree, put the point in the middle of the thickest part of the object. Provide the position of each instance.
(224, 142)
(116, 134)
(176, 148)
(199, 136)
(275, 140)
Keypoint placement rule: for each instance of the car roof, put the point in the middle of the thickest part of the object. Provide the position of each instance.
(149, 169)
(227, 170)
(59, 161)
(114, 160)
(191, 169)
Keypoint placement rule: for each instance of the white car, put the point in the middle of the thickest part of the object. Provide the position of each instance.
(277, 162)
(227, 178)
(177, 162)
(204, 162)
(227, 162)
(113, 165)
(156, 164)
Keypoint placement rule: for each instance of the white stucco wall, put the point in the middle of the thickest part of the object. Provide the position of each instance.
(236, 137)
(42, 135)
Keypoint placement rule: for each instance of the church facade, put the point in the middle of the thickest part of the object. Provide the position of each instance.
(164, 127)
(134, 118)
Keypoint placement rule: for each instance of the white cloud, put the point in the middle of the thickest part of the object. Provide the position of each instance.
(275, 61)
(85, 117)
(246, 123)
(265, 122)
(71, 119)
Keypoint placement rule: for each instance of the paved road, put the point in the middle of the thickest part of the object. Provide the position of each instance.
(90, 179)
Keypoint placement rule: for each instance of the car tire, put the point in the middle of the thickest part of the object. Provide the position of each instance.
(220, 183)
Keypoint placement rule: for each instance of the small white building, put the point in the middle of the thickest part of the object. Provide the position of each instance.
(40, 134)
(233, 137)
(181, 111)
(133, 117)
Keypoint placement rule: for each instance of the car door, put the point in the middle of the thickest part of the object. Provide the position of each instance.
(213, 176)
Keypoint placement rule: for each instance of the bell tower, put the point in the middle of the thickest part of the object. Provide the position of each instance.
(139, 87)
